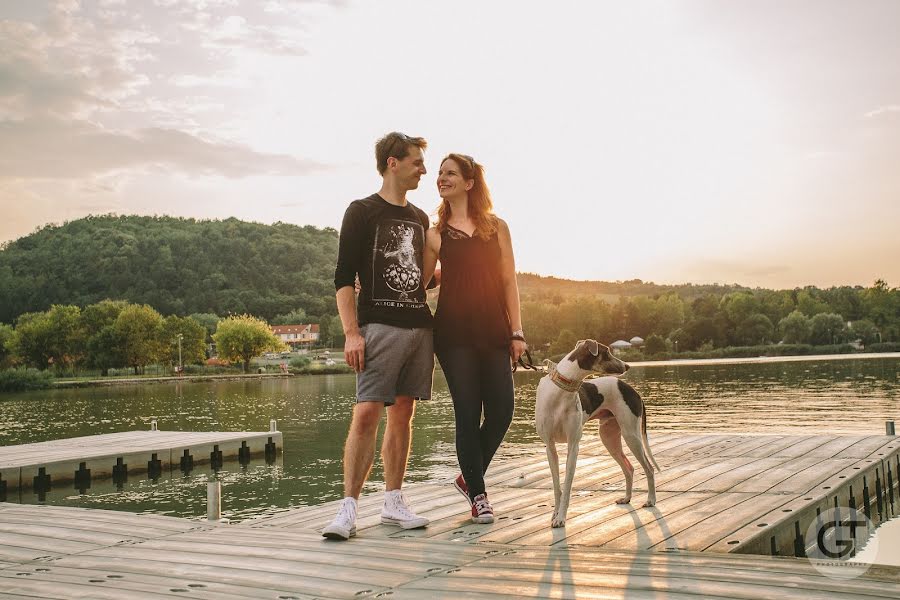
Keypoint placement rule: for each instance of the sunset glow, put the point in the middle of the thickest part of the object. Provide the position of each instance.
(688, 141)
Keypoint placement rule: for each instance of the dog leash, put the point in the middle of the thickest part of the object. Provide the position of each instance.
(528, 365)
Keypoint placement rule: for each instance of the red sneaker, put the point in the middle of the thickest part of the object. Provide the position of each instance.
(460, 484)
(482, 511)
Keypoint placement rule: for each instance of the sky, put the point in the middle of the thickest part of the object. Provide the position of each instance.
(690, 141)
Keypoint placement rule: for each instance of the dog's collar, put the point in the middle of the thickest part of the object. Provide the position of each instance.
(563, 382)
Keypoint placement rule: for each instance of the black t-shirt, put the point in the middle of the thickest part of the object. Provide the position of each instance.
(384, 244)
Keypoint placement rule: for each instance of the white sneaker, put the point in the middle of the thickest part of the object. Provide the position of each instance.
(343, 526)
(397, 512)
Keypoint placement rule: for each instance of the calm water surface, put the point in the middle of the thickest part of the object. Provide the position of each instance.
(842, 395)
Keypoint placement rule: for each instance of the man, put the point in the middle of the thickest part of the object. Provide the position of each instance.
(389, 341)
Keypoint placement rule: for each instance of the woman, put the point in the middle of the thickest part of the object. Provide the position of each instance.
(478, 323)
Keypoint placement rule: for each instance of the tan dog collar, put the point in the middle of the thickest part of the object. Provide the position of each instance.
(562, 382)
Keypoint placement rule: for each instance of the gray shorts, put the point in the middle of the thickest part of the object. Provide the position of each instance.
(399, 362)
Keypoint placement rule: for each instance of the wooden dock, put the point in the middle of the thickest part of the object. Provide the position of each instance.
(80, 460)
(58, 552)
(724, 502)
(716, 493)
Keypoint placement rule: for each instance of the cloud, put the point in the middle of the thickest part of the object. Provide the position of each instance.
(883, 110)
(49, 149)
(93, 89)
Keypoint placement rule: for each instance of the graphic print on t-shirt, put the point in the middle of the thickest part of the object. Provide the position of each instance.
(396, 263)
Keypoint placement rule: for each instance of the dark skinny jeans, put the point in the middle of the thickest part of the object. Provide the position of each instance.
(480, 380)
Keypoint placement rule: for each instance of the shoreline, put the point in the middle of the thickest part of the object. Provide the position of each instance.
(644, 363)
(168, 379)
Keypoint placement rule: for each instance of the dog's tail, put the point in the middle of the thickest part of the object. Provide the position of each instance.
(646, 441)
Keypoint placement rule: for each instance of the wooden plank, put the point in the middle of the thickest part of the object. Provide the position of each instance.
(766, 480)
(752, 467)
(586, 518)
(873, 444)
(778, 444)
(805, 479)
(762, 571)
(67, 582)
(804, 445)
(579, 584)
(836, 445)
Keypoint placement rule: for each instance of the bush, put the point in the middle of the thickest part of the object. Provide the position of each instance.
(211, 369)
(299, 362)
(31, 379)
(320, 369)
(883, 347)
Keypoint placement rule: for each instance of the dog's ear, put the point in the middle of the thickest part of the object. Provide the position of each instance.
(593, 347)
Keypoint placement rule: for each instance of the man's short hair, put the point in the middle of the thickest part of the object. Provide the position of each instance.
(396, 145)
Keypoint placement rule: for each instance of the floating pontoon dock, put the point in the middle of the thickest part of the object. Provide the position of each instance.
(724, 501)
(120, 455)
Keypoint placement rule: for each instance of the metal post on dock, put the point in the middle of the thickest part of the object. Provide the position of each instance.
(214, 500)
(153, 425)
(272, 425)
(889, 428)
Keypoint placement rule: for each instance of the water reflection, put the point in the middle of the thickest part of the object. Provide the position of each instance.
(839, 396)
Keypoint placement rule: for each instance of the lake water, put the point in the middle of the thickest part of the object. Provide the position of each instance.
(799, 396)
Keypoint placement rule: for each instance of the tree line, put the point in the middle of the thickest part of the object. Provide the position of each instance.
(690, 317)
(198, 272)
(114, 334)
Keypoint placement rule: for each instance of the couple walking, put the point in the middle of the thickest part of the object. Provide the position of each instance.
(391, 336)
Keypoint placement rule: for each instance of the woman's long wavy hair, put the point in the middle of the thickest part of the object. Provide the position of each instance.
(480, 209)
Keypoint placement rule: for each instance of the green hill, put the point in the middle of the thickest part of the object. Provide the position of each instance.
(178, 266)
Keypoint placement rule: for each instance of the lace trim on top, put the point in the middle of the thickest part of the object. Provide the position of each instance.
(456, 234)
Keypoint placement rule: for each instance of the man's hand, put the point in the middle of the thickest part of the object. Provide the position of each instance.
(516, 349)
(355, 351)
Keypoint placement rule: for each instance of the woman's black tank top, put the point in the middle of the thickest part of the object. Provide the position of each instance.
(471, 308)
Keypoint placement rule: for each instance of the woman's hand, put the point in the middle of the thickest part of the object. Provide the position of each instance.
(516, 349)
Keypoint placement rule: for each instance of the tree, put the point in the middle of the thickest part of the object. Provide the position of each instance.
(670, 313)
(755, 329)
(738, 306)
(208, 321)
(106, 350)
(795, 328)
(564, 343)
(240, 338)
(33, 340)
(810, 303)
(865, 331)
(138, 327)
(104, 345)
(193, 340)
(295, 317)
(335, 332)
(882, 306)
(654, 344)
(6, 335)
(827, 328)
(67, 347)
(698, 332)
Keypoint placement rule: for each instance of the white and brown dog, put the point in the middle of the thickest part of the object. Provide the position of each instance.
(565, 402)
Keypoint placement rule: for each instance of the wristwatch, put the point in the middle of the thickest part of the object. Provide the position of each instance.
(518, 334)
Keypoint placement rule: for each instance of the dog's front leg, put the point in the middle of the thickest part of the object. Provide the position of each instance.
(571, 461)
(553, 460)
